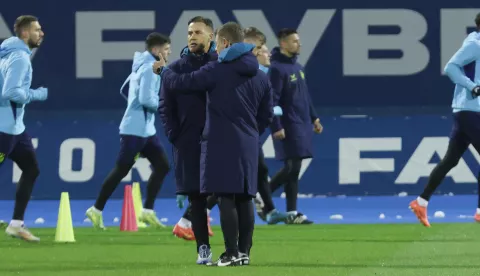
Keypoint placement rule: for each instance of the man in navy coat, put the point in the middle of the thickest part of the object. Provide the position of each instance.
(293, 132)
(183, 117)
(239, 108)
(264, 204)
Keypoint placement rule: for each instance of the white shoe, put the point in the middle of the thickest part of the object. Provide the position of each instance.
(245, 259)
(21, 233)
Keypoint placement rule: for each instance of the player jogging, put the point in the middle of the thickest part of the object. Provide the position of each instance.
(138, 134)
(462, 70)
(15, 143)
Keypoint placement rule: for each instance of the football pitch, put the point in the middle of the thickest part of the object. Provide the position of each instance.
(334, 249)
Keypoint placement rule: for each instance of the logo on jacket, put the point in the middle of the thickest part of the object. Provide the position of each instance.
(293, 78)
(2, 157)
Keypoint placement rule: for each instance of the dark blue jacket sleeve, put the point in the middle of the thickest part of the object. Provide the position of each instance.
(277, 80)
(198, 81)
(313, 113)
(168, 114)
(265, 110)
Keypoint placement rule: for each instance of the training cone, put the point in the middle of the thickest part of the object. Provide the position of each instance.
(64, 231)
(129, 220)
(137, 204)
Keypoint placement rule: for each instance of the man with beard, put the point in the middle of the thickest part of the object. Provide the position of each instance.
(15, 143)
(263, 202)
(138, 134)
(293, 131)
(183, 118)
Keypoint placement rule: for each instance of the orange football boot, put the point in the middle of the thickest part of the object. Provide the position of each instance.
(477, 217)
(420, 212)
(183, 233)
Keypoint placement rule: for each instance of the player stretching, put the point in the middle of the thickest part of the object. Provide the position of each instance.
(15, 143)
(462, 70)
(138, 133)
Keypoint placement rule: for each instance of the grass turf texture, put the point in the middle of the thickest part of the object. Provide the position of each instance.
(400, 249)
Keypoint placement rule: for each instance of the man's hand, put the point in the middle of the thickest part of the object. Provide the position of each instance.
(317, 126)
(277, 111)
(157, 65)
(180, 200)
(476, 91)
(40, 94)
(280, 135)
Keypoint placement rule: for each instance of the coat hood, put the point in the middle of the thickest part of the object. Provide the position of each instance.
(13, 44)
(240, 55)
(140, 58)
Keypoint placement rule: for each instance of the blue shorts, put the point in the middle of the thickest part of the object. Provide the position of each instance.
(466, 130)
(14, 147)
(132, 147)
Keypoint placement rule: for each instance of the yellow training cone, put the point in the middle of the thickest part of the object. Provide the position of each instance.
(64, 231)
(137, 203)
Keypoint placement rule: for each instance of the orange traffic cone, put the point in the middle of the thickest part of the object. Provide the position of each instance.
(129, 221)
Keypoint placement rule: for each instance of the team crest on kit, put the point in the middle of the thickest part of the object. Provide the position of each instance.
(293, 78)
(2, 157)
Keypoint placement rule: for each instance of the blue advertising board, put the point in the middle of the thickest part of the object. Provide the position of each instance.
(358, 57)
(357, 54)
(354, 156)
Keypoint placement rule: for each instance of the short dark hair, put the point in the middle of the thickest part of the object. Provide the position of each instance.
(285, 32)
(477, 20)
(254, 34)
(231, 31)
(200, 19)
(156, 39)
(23, 22)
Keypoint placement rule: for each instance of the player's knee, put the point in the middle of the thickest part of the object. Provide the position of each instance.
(33, 171)
(449, 163)
(293, 166)
(123, 168)
(162, 166)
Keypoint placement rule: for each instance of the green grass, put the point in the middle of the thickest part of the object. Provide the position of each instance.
(444, 249)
